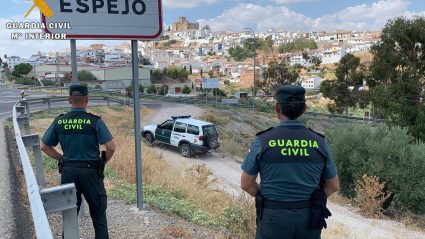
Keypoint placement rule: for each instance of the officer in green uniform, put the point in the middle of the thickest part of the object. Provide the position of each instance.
(292, 161)
(79, 134)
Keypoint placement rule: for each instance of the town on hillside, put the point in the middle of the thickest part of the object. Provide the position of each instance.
(186, 54)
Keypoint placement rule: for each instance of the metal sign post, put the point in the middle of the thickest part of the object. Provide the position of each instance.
(137, 131)
(123, 93)
(142, 20)
(74, 75)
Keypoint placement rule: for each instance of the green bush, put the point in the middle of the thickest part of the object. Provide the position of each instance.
(163, 90)
(84, 84)
(152, 89)
(26, 81)
(385, 152)
(97, 87)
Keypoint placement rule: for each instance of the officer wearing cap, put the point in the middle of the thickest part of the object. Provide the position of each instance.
(79, 134)
(297, 173)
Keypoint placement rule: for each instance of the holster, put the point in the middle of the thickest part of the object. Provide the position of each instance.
(259, 206)
(60, 165)
(318, 211)
(102, 165)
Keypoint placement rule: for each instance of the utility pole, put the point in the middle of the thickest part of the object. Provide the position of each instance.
(35, 77)
(255, 54)
(57, 68)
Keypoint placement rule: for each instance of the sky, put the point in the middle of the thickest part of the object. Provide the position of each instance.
(224, 15)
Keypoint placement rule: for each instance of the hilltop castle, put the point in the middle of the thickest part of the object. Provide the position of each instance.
(183, 24)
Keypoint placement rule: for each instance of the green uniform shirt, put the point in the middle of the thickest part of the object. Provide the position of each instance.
(80, 145)
(287, 181)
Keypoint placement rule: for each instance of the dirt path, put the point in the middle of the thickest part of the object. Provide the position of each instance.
(344, 223)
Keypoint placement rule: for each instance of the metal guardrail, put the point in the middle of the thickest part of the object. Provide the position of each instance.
(192, 101)
(42, 202)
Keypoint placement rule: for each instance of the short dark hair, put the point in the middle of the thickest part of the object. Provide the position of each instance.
(292, 110)
(77, 99)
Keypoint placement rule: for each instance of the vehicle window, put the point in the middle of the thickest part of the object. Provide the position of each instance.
(180, 127)
(168, 125)
(209, 129)
(192, 129)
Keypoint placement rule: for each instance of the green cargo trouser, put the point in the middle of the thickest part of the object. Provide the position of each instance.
(88, 182)
(286, 224)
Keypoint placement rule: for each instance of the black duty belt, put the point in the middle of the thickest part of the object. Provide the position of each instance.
(286, 205)
(81, 164)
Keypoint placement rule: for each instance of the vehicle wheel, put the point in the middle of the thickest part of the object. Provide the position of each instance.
(212, 141)
(185, 150)
(148, 139)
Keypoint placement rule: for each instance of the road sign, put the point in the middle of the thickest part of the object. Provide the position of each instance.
(123, 92)
(211, 83)
(105, 19)
(70, 74)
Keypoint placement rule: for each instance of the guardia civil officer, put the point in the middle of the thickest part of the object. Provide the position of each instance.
(291, 160)
(79, 134)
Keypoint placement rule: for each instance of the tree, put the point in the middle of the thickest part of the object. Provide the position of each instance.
(397, 80)
(344, 92)
(1, 61)
(317, 61)
(152, 89)
(278, 74)
(226, 82)
(190, 70)
(23, 69)
(5, 56)
(192, 85)
(98, 87)
(186, 90)
(169, 28)
(157, 73)
(201, 72)
(184, 67)
(146, 61)
(141, 89)
(86, 75)
(5, 64)
(163, 90)
(206, 27)
(210, 73)
(165, 72)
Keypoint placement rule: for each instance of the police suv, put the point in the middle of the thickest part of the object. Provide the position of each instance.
(190, 135)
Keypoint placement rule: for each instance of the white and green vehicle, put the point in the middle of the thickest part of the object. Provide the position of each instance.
(190, 135)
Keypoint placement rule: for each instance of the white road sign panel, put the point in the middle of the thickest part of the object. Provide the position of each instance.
(123, 92)
(211, 83)
(105, 19)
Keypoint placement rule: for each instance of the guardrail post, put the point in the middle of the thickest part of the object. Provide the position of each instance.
(33, 141)
(27, 108)
(107, 100)
(63, 199)
(49, 106)
(82, 213)
(24, 120)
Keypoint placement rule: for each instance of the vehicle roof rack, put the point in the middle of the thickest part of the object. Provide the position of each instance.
(181, 117)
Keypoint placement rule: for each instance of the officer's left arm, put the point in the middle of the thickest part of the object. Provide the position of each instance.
(105, 138)
(50, 140)
(330, 174)
(251, 169)
(249, 184)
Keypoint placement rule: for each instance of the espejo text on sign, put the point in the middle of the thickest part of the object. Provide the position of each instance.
(107, 19)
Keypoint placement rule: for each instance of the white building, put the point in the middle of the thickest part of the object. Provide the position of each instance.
(161, 65)
(313, 82)
(12, 61)
(333, 53)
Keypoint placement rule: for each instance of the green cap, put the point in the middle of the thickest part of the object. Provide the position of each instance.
(284, 93)
(78, 90)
